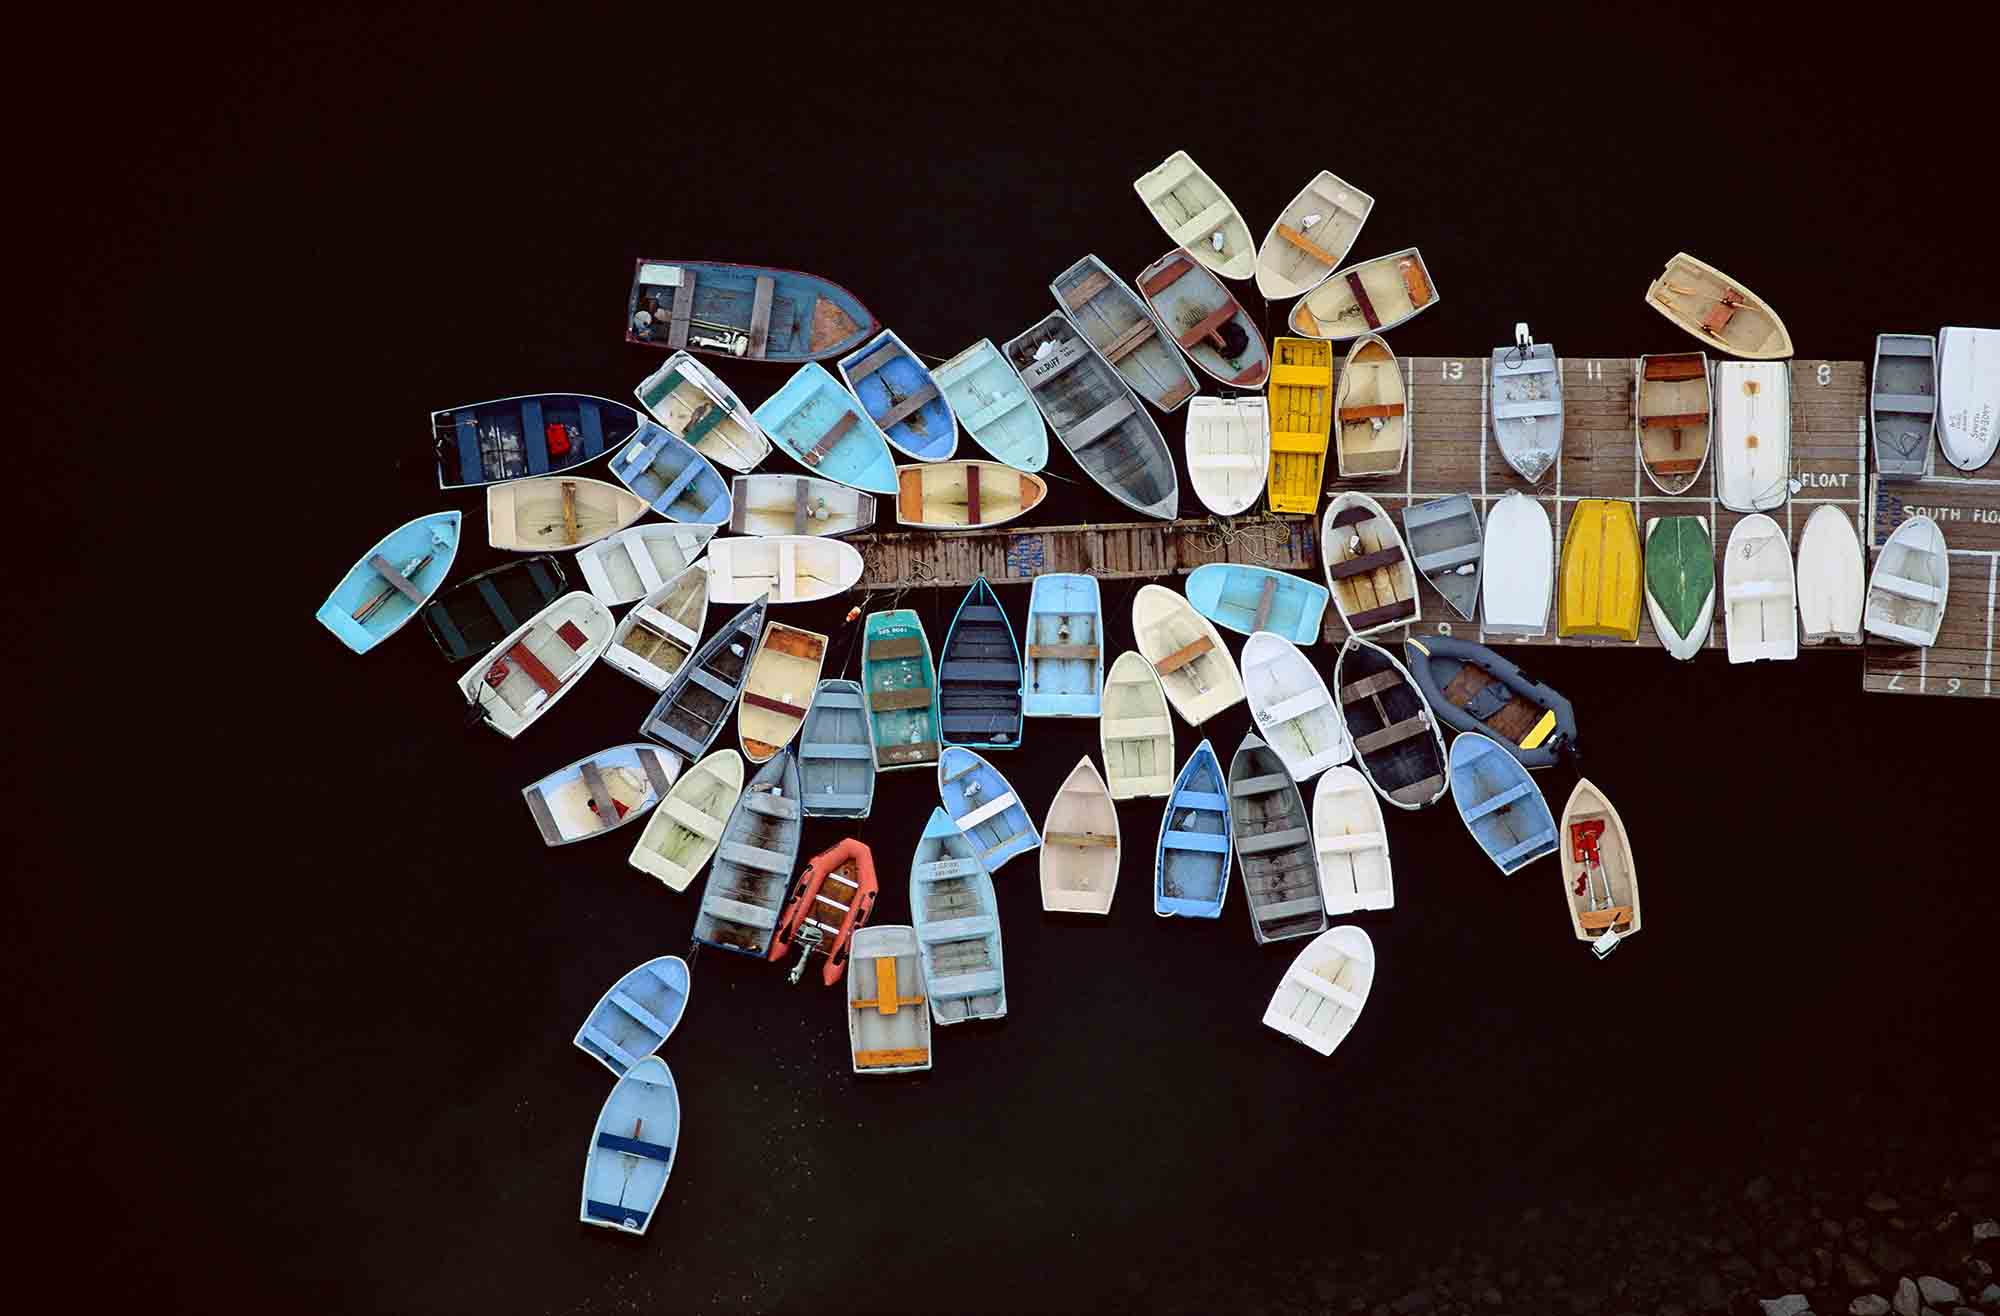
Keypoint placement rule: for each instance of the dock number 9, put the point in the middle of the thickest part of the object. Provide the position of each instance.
(1825, 374)
(1453, 370)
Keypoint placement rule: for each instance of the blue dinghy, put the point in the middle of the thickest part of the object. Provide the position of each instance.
(632, 1149)
(902, 398)
(1065, 674)
(1500, 803)
(984, 806)
(979, 679)
(758, 312)
(958, 925)
(1191, 873)
(675, 480)
(824, 428)
(637, 1015)
(1249, 599)
(534, 434)
(474, 615)
(992, 403)
(392, 582)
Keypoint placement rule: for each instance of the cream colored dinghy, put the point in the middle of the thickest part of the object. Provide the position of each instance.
(1517, 568)
(1372, 297)
(1367, 568)
(1292, 708)
(1968, 396)
(633, 563)
(1906, 595)
(1371, 428)
(1311, 236)
(1353, 844)
(888, 1016)
(1196, 215)
(778, 689)
(1187, 652)
(523, 676)
(1761, 616)
(1600, 880)
(1753, 435)
(1229, 451)
(797, 505)
(1080, 845)
(1323, 992)
(789, 568)
(683, 832)
(689, 401)
(958, 494)
(1831, 579)
(1718, 310)
(655, 638)
(556, 512)
(1135, 733)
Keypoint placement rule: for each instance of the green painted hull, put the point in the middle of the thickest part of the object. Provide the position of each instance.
(1680, 570)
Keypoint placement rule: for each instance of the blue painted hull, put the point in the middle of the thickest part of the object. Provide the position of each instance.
(800, 415)
(535, 434)
(631, 1152)
(930, 433)
(979, 679)
(1500, 803)
(1191, 869)
(1064, 613)
(674, 480)
(811, 318)
(904, 736)
(435, 536)
(1228, 593)
(637, 1015)
(970, 788)
(993, 405)
(564, 811)
(957, 918)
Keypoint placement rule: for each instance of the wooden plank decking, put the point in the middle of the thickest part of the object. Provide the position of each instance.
(1017, 554)
(1966, 506)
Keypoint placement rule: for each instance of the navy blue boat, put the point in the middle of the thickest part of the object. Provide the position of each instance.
(534, 434)
(757, 312)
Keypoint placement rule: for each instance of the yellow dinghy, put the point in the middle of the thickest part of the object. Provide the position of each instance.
(1602, 580)
(1301, 395)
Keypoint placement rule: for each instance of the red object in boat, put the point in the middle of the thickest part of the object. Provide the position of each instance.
(837, 891)
(558, 437)
(497, 673)
(1583, 836)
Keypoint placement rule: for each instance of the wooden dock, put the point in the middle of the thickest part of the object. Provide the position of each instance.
(1017, 554)
(1966, 506)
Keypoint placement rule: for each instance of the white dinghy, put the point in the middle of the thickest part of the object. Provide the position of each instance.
(1831, 579)
(1753, 434)
(633, 563)
(1187, 652)
(523, 676)
(1968, 397)
(1323, 992)
(655, 638)
(1080, 845)
(1517, 572)
(1761, 617)
(789, 568)
(1289, 700)
(1353, 844)
(1135, 734)
(1906, 595)
(1228, 451)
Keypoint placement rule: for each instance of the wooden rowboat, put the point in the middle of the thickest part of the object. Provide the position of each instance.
(1324, 991)
(1602, 577)
(786, 568)
(1311, 236)
(1198, 216)
(757, 312)
(902, 399)
(753, 862)
(1600, 879)
(979, 679)
(1097, 417)
(1395, 737)
(687, 398)
(888, 1015)
(1374, 296)
(992, 403)
(1207, 322)
(1122, 331)
(1080, 845)
(778, 689)
(1274, 846)
(964, 495)
(1372, 435)
(1229, 451)
(681, 835)
(1134, 734)
(1832, 580)
(836, 765)
(1368, 570)
(1671, 415)
(1907, 592)
(392, 582)
(1183, 646)
(1290, 705)
(1718, 310)
(797, 505)
(1759, 594)
(957, 916)
(1353, 844)
(691, 710)
(631, 1152)
(1191, 870)
(522, 677)
(1680, 582)
(1968, 393)
(637, 1016)
(1301, 398)
(558, 512)
(600, 793)
(901, 681)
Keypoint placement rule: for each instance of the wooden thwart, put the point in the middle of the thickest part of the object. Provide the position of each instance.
(1675, 367)
(756, 700)
(1086, 288)
(891, 1057)
(915, 401)
(600, 795)
(1098, 839)
(1361, 300)
(1305, 244)
(1605, 918)
(1379, 409)
(1207, 327)
(1184, 655)
(1167, 277)
(1367, 562)
(834, 434)
(1057, 651)
(1680, 421)
(874, 361)
(760, 316)
(891, 701)
(1122, 346)
(403, 584)
(1394, 733)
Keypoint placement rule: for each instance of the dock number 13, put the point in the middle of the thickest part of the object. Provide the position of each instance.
(1453, 370)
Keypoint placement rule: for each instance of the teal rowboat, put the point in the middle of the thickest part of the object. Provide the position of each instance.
(902, 691)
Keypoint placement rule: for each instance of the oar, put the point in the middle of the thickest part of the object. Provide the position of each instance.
(390, 591)
(631, 1160)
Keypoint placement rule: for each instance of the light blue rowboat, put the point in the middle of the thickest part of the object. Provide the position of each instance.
(958, 925)
(901, 681)
(992, 403)
(392, 582)
(1191, 873)
(985, 807)
(534, 434)
(836, 764)
(824, 428)
(637, 1015)
(632, 1149)
(901, 397)
(1249, 599)
(675, 480)
(1500, 803)
(1065, 672)
(600, 793)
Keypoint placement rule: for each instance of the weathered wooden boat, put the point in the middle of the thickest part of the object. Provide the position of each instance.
(1500, 803)
(533, 434)
(392, 582)
(1249, 599)
(1311, 236)
(1472, 688)
(1322, 994)
(1831, 579)
(830, 903)
(633, 563)
(1761, 616)
(672, 478)
(1375, 295)
(1517, 567)
(521, 678)
(1395, 737)
(1367, 568)
(1197, 215)
(1191, 870)
(1527, 407)
(1372, 437)
(1097, 417)
(1065, 669)
(1229, 452)
(1115, 322)
(888, 1018)
(985, 807)
(754, 858)
(836, 764)
(1671, 415)
(691, 710)
(1352, 843)
(631, 1153)
(1207, 322)
(797, 505)
(783, 672)
(636, 1017)
(902, 399)
(600, 792)
(1274, 846)
(1718, 310)
(681, 835)
(1080, 845)
(653, 640)
(787, 568)
(1902, 404)
(1301, 397)
(1290, 705)
(992, 403)
(1445, 541)
(687, 398)
(1680, 582)
(1753, 435)
(754, 311)
(1600, 879)
(1602, 576)
(979, 681)
(474, 615)
(1968, 392)
(822, 426)
(952, 902)
(964, 495)
(559, 512)
(1906, 593)
(1187, 652)
(896, 668)
(1134, 734)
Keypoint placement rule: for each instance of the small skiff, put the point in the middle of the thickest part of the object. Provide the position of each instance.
(672, 478)
(556, 512)
(1395, 737)
(902, 399)
(964, 495)
(1290, 705)
(681, 835)
(771, 505)
(1968, 395)
(533, 434)
(1205, 320)
(633, 563)
(1761, 615)
(1367, 569)
(756, 312)
(958, 925)
(523, 676)
(1831, 579)
(1753, 435)
(1274, 846)
(992, 403)
(1311, 236)
(982, 804)
(475, 614)
(1229, 452)
(686, 398)
(778, 689)
(1184, 647)
(1680, 582)
(1135, 735)
(1500, 803)
(1445, 541)
(1065, 671)
(979, 679)
(1371, 438)
(1097, 417)
(600, 793)
(1902, 404)
(787, 568)
(631, 1151)
(1906, 594)
(1517, 567)
(836, 765)
(832, 902)
(392, 582)
(1353, 844)
(1472, 688)
(1602, 575)
(901, 681)
(637, 1016)
(1375, 295)
(1670, 417)
(1117, 325)
(1191, 870)
(1080, 845)
(1301, 398)
(1527, 408)
(1198, 216)
(692, 708)
(822, 426)
(1722, 313)
(1249, 599)
(1600, 879)
(754, 858)
(1322, 993)
(888, 1017)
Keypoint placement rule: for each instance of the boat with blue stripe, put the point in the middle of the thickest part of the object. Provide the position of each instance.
(1249, 599)
(902, 398)
(1500, 803)
(1191, 871)
(675, 480)
(631, 1152)
(393, 581)
(532, 434)
(822, 426)
(985, 807)
(637, 1015)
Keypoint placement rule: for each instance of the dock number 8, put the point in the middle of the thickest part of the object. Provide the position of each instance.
(1825, 374)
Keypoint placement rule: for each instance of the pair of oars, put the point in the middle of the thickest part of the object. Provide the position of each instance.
(373, 605)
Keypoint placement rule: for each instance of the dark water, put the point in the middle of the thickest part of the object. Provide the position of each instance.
(343, 990)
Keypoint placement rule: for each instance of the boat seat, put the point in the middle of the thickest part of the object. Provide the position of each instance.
(770, 804)
(923, 751)
(1184, 655)
(1266, 842)
(1205, 841)
(1394, 733)
(891, 1057)
(1318, 985)
(1687, 466)
(683, 312)
(1129, 341)
(753, 856)
(986, 855)
(1414, 282)
(831, 801)
(626, 1217)
(1495, 803)
(983, 983)
(874, 361)
(1445, 559)
(602, 1040)
(1302, 376)
(1192, 231)
(976, 669)
(968, 764)
(896, 646)
(715, 685)
(1903, 587)
(1167, 277)
(1539, 843)
(1208, 326)
(1896, 631)
(913, 402)
(1199, 800)
(1086, 288)
(692, 818)
(402, 583)
(1905, 402)
(535, 436)
(1756, 591)
(671, 494)
(1296, 706)
(1265, 596)
(887, 999)
(1100, 422)
(1373, 617)
(533, 668)
(1369, 686)
(1225, 462)
(891, 701)
(1136, 728)
(760, 317)
(1680, 420)
(940, 870)
(652, 1151)
(661, 729)
(1373, 411)
(661, 624)
(1675, 367)
(979, 418)
(1260, 785)
(963, 724)
(835, 432)
(1379, 560)
(640, 1014)
(1361, 300)
(1062, 651)
(1081, 840)
(1301, 242)
(958, 929)
(770, 705)
(1285, 909)
(1718, 317)
(501, 612)
(1526, 410)
(1594, 919)
(1353, 843)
